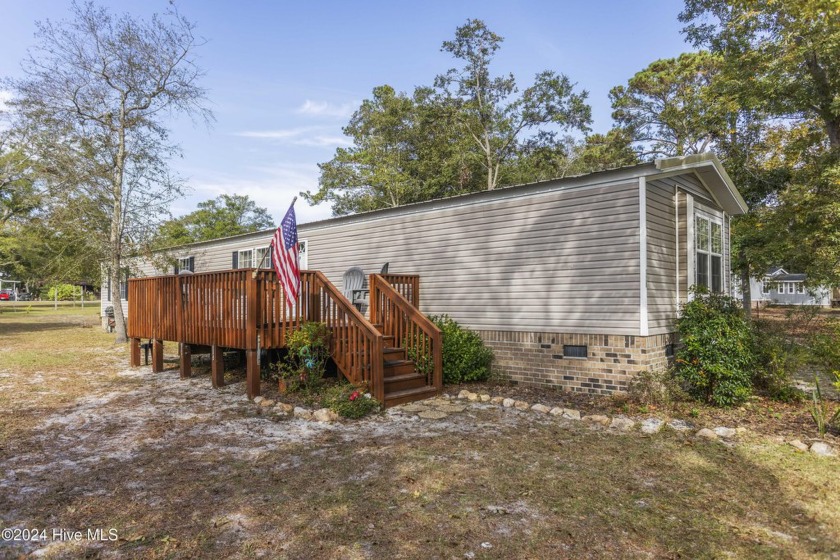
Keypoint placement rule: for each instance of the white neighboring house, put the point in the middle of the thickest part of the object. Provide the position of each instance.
(782, 287)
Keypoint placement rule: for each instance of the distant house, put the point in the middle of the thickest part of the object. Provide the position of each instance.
(781, 287)
(574, 282)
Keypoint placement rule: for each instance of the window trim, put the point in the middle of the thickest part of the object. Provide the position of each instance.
(254, 257)
(303, 256)
(268, 264)
(711, 217)
(239, 260)
(189, 261)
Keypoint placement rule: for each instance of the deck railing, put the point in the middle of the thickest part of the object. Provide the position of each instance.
(355, 345)
(237, 309)
(406, 284)
(411, 329)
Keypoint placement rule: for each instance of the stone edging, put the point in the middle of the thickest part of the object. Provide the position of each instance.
(441, 407)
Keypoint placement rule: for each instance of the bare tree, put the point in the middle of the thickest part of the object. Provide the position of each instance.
(95, 98)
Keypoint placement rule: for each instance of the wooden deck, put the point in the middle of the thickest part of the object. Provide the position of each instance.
(397, 353)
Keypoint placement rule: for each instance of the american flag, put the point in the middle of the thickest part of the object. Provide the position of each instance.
(284, 252)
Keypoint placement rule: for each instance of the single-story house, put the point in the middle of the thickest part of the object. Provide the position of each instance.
(780, 287)
(574, 282)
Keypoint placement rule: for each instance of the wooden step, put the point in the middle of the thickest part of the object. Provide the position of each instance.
(404, 381)
(398, 367)
(388, 340)
(409, 395)
(394, 354)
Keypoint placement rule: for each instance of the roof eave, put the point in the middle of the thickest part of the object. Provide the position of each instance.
(709, 167)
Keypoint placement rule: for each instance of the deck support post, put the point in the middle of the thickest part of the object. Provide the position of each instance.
(186, 360)
(252, 373)
(134, 352)
(252, 336)
(217, 367)
(157, 355)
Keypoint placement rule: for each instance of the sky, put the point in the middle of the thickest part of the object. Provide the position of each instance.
(284, 77)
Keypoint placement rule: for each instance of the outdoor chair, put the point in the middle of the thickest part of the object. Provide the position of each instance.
(354, 281)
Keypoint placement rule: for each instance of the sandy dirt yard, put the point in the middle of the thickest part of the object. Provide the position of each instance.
(98, 460)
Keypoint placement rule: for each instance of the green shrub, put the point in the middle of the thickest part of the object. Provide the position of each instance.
(778, 356)
(820, 410)
(716, 353)
(306, 358)
(66, 292)
(350, 401)
(465, 357)
(826, 349)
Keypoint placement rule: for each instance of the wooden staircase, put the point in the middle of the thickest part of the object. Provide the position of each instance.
(403, 383)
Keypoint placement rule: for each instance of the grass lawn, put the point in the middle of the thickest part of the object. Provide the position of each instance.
(180, 470)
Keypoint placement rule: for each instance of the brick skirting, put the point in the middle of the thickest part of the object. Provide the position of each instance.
(611, 362)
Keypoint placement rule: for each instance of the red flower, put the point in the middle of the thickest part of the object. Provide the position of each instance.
(354, 395)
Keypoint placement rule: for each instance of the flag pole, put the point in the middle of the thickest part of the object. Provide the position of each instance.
(259, 266)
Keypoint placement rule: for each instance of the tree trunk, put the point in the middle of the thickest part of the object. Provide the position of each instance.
(116, 233)
(833, 130)
(746, 293)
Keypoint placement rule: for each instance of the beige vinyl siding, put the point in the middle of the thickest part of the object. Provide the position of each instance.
(691, 184)
(661, 258)
(559, 260)
(563, 261)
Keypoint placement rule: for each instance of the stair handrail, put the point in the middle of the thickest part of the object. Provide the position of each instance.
(386, 303)
(345, 357)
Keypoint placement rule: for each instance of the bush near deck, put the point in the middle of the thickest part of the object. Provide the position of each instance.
(465, 356)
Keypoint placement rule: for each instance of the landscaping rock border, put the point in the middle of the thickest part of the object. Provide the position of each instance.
(439, 408)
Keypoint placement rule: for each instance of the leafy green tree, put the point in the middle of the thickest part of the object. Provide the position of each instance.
(222, 216)
(376, 171)
(491, 111)
(599, 152)
(547, 156)
(669, 108)
(403, 151)
(95, 100)
(782, 54)
(782, 58)
(19, 194)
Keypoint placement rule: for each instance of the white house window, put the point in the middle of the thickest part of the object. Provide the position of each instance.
(263, 257)
(303, 254)
(765, 287)
(708, 241)
(252, 258)
(185, 263)
(790, 287)
(246, 259)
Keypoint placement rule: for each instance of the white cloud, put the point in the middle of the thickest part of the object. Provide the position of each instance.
(271, 187)
(279, 134)
(321, 141)
(327, 109)
(317, 136)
